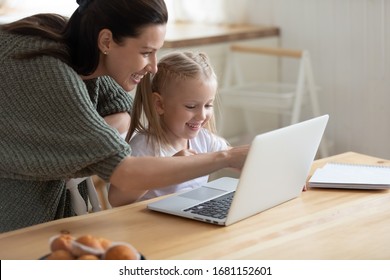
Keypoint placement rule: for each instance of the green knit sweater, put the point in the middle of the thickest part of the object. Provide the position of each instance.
(51, 129)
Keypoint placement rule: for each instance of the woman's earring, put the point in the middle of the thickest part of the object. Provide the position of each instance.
(105, 52)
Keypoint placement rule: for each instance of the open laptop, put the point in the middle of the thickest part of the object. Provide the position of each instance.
(274, 172)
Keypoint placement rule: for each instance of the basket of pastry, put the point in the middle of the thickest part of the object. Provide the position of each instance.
(88, 247)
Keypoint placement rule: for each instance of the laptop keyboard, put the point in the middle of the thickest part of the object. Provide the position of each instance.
(214, 208)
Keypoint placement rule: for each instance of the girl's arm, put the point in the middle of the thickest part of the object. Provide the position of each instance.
(119, 121)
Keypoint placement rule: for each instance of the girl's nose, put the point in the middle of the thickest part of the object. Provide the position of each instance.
(202, 114)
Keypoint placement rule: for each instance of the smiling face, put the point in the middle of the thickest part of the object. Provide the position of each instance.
(128, 61)
(185, 107)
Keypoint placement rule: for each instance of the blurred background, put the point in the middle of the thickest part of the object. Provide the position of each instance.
(349, 44)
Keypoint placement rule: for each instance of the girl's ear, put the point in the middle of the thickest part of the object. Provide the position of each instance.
(158, 102)
(105, 40)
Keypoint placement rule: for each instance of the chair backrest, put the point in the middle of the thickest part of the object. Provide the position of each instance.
(77, 201)
(236, 53)
(281, 97)
(305, 78)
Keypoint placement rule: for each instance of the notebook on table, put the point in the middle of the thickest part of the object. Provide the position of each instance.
(274, 172)
(351, 176)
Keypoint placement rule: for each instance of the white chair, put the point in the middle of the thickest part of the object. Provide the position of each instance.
(102, 188)
(77, 201)
(286, 100)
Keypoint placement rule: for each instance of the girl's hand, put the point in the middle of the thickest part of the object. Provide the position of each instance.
(237, 156)
(185, 152)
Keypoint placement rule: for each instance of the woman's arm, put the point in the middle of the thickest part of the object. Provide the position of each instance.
(144, 173)
(131, 195)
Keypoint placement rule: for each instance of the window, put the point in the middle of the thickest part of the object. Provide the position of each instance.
(206, 11)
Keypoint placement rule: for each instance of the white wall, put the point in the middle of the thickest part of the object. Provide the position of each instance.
(349, 41)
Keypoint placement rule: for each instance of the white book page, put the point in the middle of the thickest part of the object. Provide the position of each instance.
(334, 173)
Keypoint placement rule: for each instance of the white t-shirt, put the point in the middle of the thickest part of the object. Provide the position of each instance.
(205, 142)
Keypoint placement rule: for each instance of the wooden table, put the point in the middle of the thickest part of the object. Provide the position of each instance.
(320, 224)
(194, 34)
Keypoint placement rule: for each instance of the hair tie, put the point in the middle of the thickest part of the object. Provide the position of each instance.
(83, 4)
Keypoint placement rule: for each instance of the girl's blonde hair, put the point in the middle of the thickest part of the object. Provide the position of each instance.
(172, 68)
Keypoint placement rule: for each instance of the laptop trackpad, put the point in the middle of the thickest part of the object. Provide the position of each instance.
(202, 193)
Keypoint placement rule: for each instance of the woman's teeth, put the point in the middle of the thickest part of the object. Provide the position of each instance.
(137, 77)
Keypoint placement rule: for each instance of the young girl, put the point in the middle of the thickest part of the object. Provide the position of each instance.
(178, 108)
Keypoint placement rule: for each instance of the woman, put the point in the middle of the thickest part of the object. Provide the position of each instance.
(64, 100)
